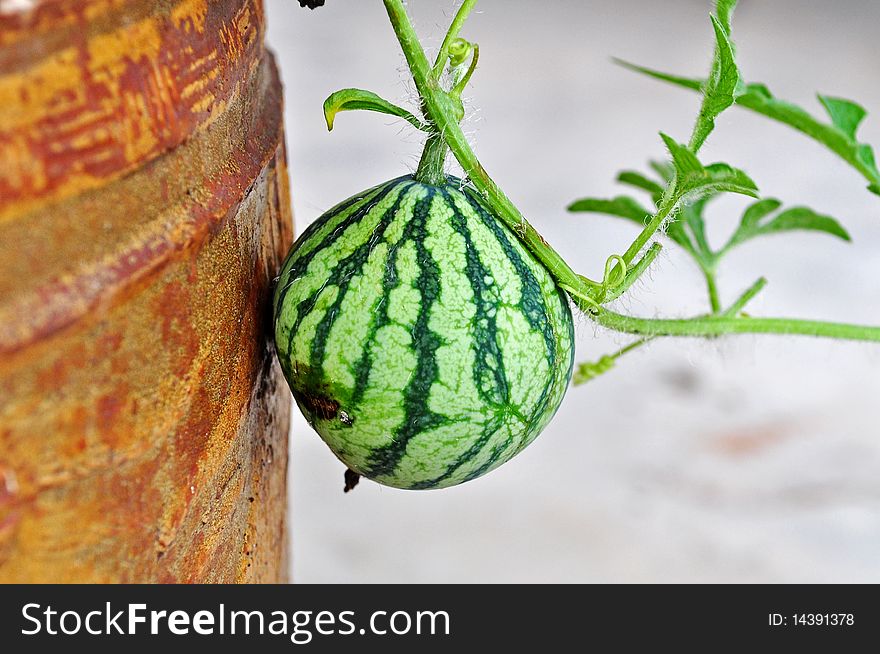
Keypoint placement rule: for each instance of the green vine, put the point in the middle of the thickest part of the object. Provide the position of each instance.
(679, 198)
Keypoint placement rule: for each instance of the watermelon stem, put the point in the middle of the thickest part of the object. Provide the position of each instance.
(431, 165)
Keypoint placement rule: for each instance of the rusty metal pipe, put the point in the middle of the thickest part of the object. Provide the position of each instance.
(144, 211)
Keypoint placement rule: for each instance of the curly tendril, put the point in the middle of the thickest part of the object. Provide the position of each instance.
(615, 272)
(459, 50)
(614, 277)
(457, 57)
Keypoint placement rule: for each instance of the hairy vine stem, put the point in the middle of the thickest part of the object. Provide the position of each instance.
(590, 370)
(721, 325)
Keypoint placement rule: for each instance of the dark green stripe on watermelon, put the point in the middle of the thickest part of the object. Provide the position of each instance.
(421, 340)
(341, 277)
(418, 417)
(299, 264)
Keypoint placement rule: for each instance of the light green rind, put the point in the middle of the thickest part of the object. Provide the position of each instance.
(420, 339)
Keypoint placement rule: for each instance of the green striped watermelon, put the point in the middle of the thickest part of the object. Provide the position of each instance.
(420, 339)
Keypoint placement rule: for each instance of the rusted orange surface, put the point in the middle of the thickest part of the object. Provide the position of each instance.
(144, 211)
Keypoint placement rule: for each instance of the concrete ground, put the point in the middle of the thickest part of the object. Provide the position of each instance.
(749, 459)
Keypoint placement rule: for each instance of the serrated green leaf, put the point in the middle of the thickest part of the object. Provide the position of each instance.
(354, 99)
(754, 222)
(723, 86)
(622, 206)
(866, 155)
(837, 139)
(758, 98)
(846, 115)
(692, 83)
(758, 210)
(803, 218)
(639, 181)
(726, 178)
(692, 178)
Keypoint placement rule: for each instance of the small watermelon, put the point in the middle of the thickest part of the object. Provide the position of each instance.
(420, 339)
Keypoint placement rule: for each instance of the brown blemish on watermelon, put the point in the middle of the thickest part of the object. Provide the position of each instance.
(320, 406)
(318, 398)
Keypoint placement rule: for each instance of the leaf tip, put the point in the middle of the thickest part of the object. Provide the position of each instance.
(670, 142)
(329, 111)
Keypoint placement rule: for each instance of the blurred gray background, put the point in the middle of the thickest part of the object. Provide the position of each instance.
(749, 459)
